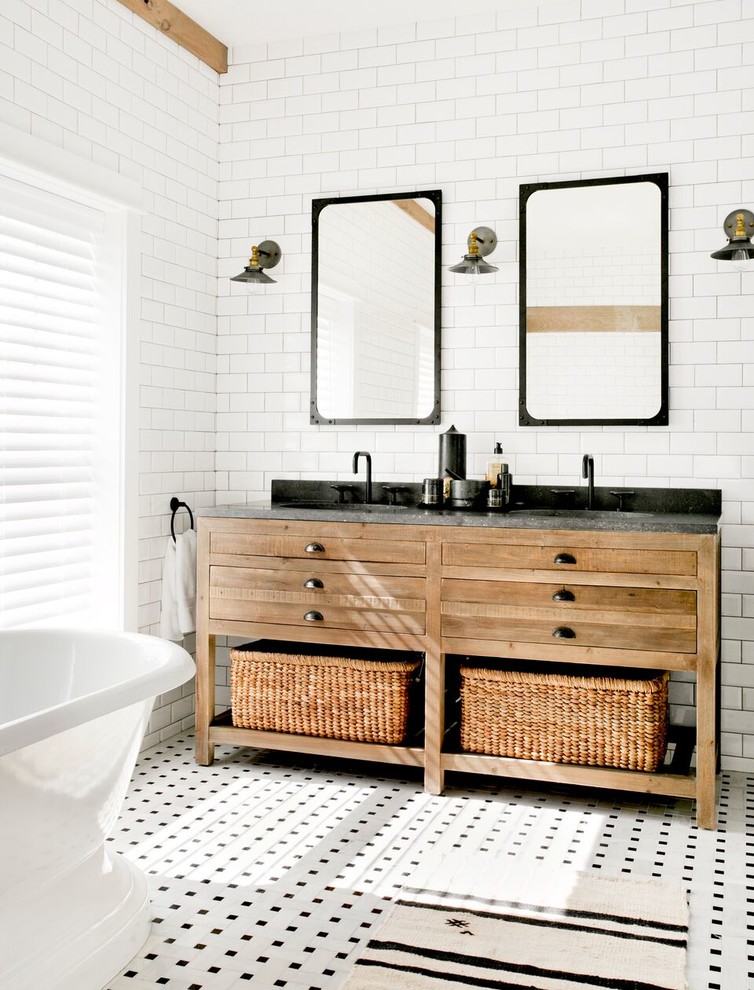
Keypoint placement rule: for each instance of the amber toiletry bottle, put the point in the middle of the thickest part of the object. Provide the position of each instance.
(496, 467)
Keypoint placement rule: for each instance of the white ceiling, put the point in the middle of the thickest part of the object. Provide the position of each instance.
(248, 22)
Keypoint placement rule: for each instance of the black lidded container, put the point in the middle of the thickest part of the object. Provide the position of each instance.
(452, 454)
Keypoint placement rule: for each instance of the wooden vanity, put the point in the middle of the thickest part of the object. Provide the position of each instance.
(643, 598)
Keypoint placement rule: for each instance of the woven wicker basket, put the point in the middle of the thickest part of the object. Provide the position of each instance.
(564, 718)
(348, 695)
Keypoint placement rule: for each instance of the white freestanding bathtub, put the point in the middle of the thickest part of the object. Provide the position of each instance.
(73, 710)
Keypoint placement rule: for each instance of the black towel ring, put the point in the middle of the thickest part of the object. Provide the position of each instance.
(175, 505)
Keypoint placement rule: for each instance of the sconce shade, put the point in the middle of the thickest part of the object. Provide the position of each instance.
(481, 242)
(472, 264)
(252, 274)
(265, 255)
(738, 227)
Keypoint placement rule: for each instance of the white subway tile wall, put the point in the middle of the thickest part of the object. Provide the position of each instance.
(562, 278)
(615, 375)
(474, 106)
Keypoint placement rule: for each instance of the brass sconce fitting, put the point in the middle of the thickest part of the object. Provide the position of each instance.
(264, 255)
(481, 242)
(738, 227)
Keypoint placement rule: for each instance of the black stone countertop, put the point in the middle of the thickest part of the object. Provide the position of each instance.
(648, 510)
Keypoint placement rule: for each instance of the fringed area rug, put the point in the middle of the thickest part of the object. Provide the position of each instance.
(507, 929)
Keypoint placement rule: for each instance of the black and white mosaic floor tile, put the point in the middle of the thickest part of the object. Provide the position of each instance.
(270, 870)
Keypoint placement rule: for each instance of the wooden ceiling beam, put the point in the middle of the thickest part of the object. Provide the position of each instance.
(171, 21)
(418, 212)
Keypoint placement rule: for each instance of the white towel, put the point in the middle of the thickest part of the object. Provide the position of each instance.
(169, 628)
(178, 615)
(185, 580)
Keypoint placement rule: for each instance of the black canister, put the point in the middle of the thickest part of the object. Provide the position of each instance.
(452, 454)
(432, 491)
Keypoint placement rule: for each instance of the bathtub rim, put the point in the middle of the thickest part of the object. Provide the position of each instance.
(175, 667)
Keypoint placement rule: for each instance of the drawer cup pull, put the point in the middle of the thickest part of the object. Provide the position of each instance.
(565, 558)
(564, 632)
(314, 548)
(564, 595)
(313, 583)
(314, 617)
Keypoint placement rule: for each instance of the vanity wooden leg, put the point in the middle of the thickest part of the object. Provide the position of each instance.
(706, 747)
(204, 753)
(205, 653)
(706, 806)
(205, 699)
(707, 687)
(434, 723)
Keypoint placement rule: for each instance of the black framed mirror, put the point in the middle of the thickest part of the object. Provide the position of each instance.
(593, 302)
(375, 339)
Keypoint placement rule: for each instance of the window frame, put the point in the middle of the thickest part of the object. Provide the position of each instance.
(28, 159)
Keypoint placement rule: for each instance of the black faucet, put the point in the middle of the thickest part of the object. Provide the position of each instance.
(356, 456)
(587, 471)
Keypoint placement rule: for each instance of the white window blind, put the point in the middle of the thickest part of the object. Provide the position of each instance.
(59, 413)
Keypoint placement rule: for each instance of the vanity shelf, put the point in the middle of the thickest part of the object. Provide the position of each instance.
(449, 586)
(222, 731)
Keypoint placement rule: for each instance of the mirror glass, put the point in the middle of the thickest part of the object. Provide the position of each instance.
(594, 302)
(376, 309)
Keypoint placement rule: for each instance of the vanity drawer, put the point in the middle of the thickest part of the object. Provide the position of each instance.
(672, 633)
(565, 598)
(316, 585)
(321, 598)
(324, 615)
(570, 614)
(317, 547)
(566, 558)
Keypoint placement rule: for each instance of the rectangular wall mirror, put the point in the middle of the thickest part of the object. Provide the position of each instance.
(376, 309)
(593, 304)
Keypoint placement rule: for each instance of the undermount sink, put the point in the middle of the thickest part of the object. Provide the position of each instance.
(584, 513)
(341, 506)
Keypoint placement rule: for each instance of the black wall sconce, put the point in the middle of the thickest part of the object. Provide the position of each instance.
(738, 227)
(264, 255)
(481, 242)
